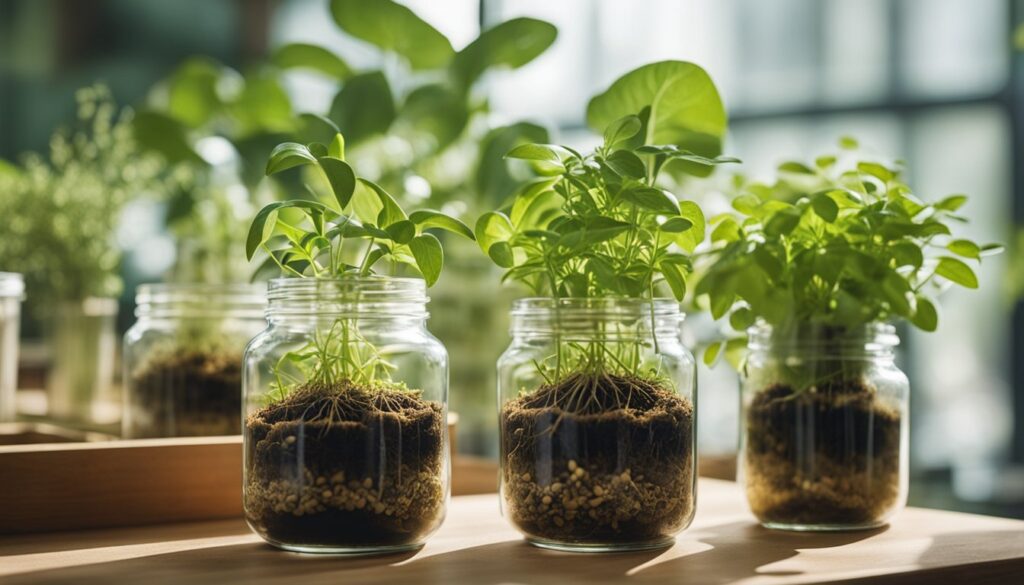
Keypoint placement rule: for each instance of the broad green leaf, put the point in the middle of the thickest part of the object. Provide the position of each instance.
(675, 225)
(965, 248)
(907, 254)
(401, 232)
(390, 211)
(956, 271)
(364, 106)
(685, 108)
(621, 130)
(393, 27)
(491, 228)
(675, 278)
(951, 203)
(501, 254)
(652, 198)
(796, 168)
(436, 110)
(691, 238)
(783, 223)
(925, 318)
(306, 56)
(288, 155)
(263, 106)
(711, 353)
(825, 207)
(626, 164)
(741, 319)
(427, 218)
(258, 229)
(546, 153)
(164, 135)
(876, 170)
(192, 94)
(512, 44)
(341, 177)
(429, 256)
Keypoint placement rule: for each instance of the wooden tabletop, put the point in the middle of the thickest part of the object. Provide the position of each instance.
(475, 545)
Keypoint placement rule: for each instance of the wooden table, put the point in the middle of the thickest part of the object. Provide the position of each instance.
(475, 545)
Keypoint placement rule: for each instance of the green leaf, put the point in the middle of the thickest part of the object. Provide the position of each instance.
(494, 181)
(685, 108)
(783, 222)
(390, 211)
(336, 148)
(675, 278)
(876, 170)
(907, 254)
(315, 128)
(741, 319)
(622, 130)
(676, 225)
(258, 229)
(316, 58)
(501, 254)
(436, 110)
(164, 135)
(626, 164)
(546, 153)
(825, 207)
(393, 27)
(192, 94)
(426, 248)
(288, 155)
(796, 168)
(965, 248)
(848, 143)
(263, 106)
(491, 228)
(341, 177)
(427, 218)
(512, 44)
(956, 271)
(691, 238)
(364, 106)
(711, 353)
(651, 198)
(951, 203)
(401, 232)
(925, 318)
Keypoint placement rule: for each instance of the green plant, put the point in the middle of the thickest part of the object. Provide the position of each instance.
(63, 210)
(834, 245)
(599, 225)
(360, 228)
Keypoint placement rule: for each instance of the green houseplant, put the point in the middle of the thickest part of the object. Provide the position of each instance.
(812, 269)
(345, 434)
(596, 391)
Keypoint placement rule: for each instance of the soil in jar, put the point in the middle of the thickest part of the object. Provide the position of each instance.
(599, 459)
(345, 466)
(183, 392)
(829, 455)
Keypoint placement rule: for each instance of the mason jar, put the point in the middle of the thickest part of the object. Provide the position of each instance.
(12, 291)
(82, 342)
(597, 416)
(346, 440)
(183, 358)
(824, 432)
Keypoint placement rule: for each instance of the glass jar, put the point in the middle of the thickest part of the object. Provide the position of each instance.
(12, 291)
(824, 434)
(346, 441)
(597, 415)
(183, 358)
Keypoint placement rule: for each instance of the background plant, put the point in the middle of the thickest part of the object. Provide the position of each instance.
(839, 244)
(63, 210)
(360, 228)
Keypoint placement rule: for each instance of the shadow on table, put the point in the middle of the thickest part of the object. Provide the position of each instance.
(716, 554)
(102, 538)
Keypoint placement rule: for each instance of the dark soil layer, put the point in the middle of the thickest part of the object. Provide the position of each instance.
(829, 455)
(613, 465)
(187, 393)
(345, 467)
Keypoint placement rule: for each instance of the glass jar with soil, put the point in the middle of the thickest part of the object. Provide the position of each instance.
(12, 290)
(824, 427)
(597, 414)
(183, 358)
(346, 444)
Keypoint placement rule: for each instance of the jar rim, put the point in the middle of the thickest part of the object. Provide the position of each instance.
(358, 296)
(184, 299)
(873, 336)
(12, 285)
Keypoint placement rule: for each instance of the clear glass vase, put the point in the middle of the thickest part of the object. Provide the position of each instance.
(183, 358)
(596, 407)
(824, 434)
(83, 347)
(12, 291)
(346, 440)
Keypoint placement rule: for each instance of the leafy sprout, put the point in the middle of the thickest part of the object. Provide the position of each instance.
(360, 228)
(840, 243)
(598, 226)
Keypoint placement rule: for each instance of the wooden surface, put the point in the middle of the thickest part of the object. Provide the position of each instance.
(475, 545)
(58, 487)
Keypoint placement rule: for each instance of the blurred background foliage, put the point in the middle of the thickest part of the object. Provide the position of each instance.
(430, 102)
